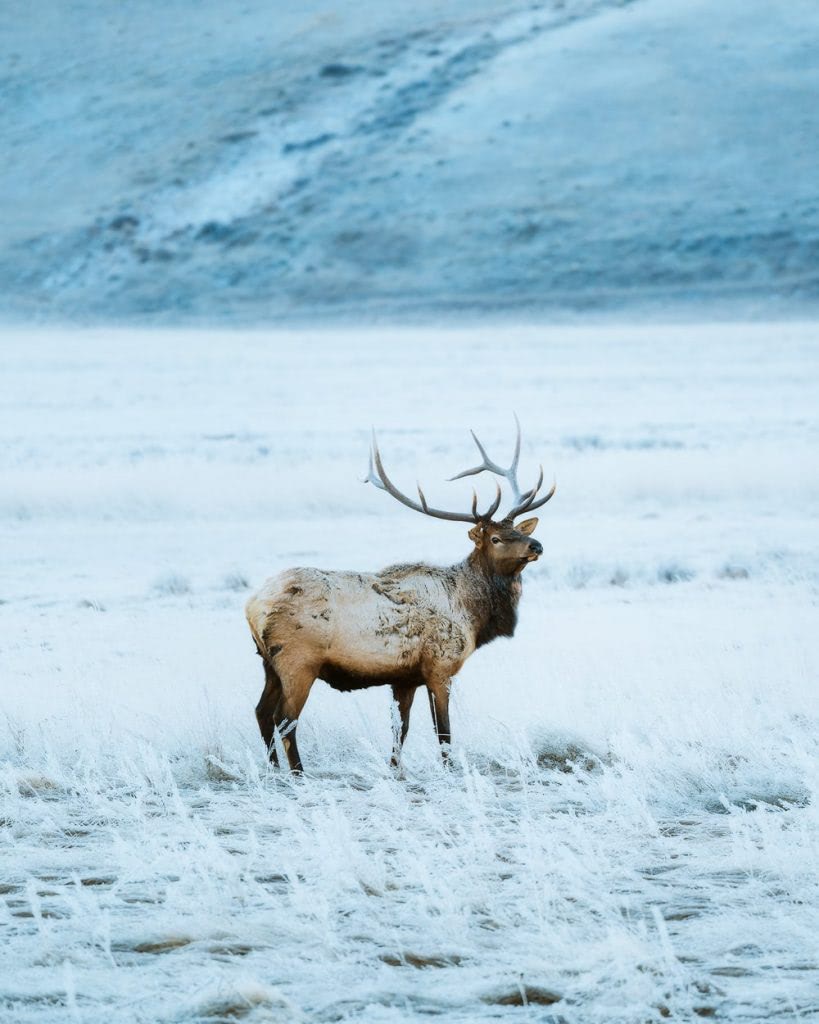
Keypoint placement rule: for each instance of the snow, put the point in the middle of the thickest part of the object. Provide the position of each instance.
(629, 830)
(191, 164)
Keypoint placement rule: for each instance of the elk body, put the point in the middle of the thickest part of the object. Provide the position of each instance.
(407, 626)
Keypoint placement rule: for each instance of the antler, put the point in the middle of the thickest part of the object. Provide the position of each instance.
(523, 502)
(377, 475)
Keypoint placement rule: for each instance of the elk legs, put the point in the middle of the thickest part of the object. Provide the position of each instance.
(280, 705)
(403, 697)
(266, 710)
(294, 697)
(439, 706)
(287, 733)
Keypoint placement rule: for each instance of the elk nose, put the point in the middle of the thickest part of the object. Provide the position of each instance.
(536, 547)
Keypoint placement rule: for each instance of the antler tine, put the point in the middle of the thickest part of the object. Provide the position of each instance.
(493, 508)
(544, 499)
(539, 483)
(528, 504)
(514, 467)
(385, 484)
(526, 501)
(527, 497)
(371, 477)
(489, 465)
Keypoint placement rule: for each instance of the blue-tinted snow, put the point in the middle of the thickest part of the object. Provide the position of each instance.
(211, 163)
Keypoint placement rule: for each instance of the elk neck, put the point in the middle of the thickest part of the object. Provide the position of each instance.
(490, 598)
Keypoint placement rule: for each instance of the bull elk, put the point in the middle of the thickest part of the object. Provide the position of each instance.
(406, 626)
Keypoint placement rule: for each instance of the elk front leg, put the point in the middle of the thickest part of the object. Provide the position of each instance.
(439, 706)
(403, 697)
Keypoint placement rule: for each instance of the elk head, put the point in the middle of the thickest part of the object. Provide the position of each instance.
(504, 547)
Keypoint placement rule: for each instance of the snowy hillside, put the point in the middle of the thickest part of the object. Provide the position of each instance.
(223, 163)
(630, 829)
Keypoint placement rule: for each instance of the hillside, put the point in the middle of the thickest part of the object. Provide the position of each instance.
(174, 164)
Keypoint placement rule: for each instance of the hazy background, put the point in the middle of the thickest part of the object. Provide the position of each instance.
(213, 162)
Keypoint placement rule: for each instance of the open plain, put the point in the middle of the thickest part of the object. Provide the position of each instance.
(629, 831)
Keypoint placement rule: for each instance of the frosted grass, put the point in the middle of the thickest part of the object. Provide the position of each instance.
(153, 879)
(629, 830)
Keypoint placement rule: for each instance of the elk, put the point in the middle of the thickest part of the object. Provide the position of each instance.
(407, 626)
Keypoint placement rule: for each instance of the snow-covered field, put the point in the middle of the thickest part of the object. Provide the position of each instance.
(630, 830)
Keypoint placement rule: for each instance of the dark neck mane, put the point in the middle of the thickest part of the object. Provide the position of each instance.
(492, 601)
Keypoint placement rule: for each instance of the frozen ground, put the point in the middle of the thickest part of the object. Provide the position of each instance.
(213, 163)
(630, 832)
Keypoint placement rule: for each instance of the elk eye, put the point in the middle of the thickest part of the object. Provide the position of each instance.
(496, 540)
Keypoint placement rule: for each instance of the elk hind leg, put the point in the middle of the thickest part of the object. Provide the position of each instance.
(295, 690)
(403, 697)
(266, 709)
(439, 706)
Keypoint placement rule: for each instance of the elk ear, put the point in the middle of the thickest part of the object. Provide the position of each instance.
(527, 526)
(476, 536)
